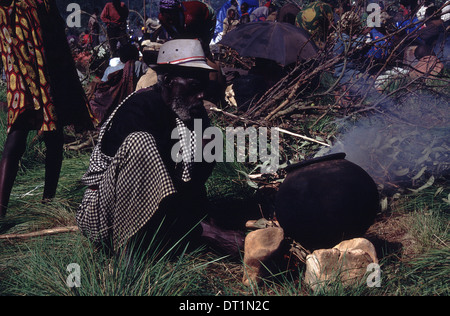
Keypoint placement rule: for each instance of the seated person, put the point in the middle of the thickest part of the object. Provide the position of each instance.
(261, 77)
(245, 15)
(426, 63)
(137, 185)
(434, 27)
(119, 81)
(127, 53)
(149, 56)
(262, 13)
(288, 13)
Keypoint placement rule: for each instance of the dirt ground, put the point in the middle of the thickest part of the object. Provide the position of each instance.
(390, 235)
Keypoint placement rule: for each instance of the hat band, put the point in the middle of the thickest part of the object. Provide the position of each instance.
(185, 60)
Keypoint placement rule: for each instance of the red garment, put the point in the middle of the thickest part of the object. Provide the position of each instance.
(86, 39)
(404, 10)
(113, 15)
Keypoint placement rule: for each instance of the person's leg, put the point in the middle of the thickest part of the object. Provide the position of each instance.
(229, 242)
(54, 142)
(95, 40)
(174, 224)
(128, 190)
(123, 37)
(112, 39)
(13, 150)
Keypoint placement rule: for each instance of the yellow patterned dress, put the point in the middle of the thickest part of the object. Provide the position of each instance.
(30, 101)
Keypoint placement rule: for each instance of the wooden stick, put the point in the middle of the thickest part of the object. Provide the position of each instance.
(45, 232)
(82, 145)
(301, 136)
(286, 101)
(245, 120)
(277, 128)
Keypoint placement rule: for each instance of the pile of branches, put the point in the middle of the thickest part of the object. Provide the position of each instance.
(311, 92)
(304, 88)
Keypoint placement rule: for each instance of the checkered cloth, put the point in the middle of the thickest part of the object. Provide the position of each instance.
(187, 150)
(126, 190)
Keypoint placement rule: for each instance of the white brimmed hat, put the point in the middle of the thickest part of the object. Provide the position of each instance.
(183, 53)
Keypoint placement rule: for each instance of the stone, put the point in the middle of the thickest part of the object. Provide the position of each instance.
(353, 266)
(321, 267)
(347, 263)
(262, 248)
(359, 243)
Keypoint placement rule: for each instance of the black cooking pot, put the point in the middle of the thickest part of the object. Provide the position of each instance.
(326, 200)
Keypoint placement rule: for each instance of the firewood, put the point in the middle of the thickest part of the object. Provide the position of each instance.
(45, 232)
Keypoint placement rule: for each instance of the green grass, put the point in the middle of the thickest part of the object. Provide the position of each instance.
(43, 267)
(39, 266)
(428, 216)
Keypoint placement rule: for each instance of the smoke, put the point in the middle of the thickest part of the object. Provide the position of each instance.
(406, 146)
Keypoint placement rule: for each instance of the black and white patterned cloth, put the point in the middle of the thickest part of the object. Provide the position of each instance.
(126, 190)
(187, 149)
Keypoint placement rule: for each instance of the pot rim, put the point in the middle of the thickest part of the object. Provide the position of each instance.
(314, 160)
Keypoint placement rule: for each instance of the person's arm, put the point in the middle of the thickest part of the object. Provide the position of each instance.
(105, 14)
(427, 34)
(126, 11)
(225, 26)
(91, 23)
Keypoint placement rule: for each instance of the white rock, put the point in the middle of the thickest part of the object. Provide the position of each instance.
(347, 263)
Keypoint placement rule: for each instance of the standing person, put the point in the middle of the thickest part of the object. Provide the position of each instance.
(231, 21)
(317, 19)
(115, 15)
(191, 19)
(137, 186)
(262, 13)
(43, 90)
(94, 28)
(245, 16)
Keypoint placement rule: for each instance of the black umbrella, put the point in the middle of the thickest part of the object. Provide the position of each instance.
(277, 41)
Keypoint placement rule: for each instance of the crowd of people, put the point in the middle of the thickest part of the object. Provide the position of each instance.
(151, 87)
(325, 21)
